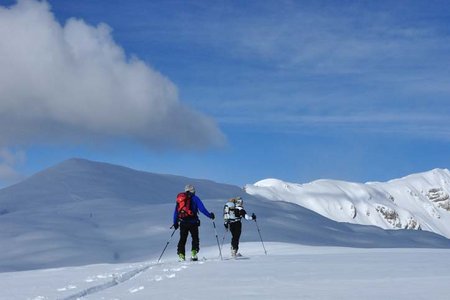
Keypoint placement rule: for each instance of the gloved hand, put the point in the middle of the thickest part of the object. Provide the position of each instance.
(175, 225)
(253, 216)
(226, 226)
(212, 216)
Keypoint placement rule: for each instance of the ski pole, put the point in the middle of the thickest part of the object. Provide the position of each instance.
(217, 238)
(167, 244)
(260, 237)
(223, 239)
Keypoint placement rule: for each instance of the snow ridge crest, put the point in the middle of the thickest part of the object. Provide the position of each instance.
(418, 201)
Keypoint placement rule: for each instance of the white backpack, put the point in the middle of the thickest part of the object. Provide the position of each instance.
(230, 213)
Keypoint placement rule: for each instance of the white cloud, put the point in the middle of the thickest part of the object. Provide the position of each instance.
(61, 82)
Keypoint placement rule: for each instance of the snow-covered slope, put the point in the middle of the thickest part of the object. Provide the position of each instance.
(82, 212)
(418, 201)
(289, 271)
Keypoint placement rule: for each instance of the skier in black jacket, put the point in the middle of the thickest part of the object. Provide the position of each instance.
(233, 212)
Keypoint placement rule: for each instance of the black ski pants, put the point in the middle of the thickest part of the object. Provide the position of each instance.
(185, 229)
(235, 229)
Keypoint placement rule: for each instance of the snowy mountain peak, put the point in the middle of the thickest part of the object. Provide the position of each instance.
(269, 182)
(432, 176)
(418, 201)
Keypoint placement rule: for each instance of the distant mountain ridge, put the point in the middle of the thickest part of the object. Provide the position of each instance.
(418, 201)
(82, 212)
(81, 179)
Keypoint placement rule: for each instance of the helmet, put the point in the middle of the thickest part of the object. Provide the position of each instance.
(231, 203)
(189, 188)
(239, 201)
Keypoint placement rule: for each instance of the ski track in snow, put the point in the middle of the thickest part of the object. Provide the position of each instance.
(116, 279)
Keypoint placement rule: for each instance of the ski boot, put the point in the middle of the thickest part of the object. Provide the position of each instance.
(233, 252)
(194, 256)
(181, 257)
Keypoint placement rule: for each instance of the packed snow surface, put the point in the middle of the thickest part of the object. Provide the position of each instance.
(289, 271)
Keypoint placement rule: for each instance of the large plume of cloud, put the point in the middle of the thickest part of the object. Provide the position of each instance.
(72, 82)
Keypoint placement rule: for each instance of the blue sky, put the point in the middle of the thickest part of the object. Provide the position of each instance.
(233, 91)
